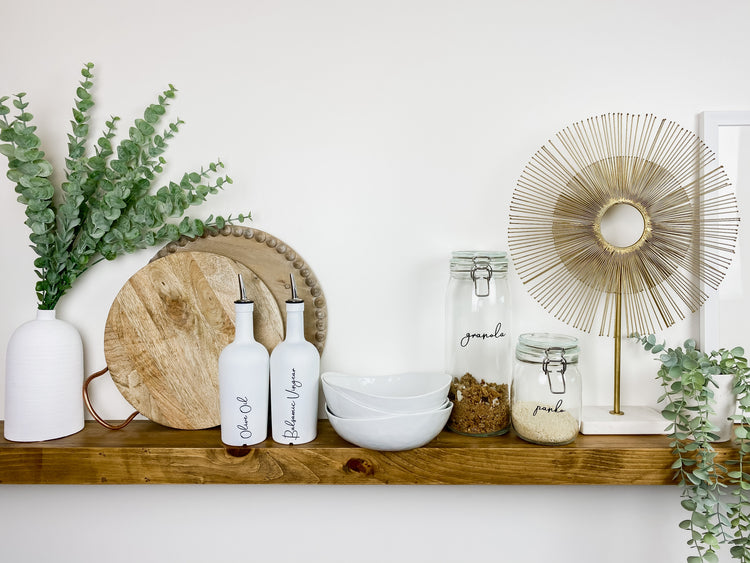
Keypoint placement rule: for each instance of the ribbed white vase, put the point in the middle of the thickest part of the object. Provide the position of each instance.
(43, 380)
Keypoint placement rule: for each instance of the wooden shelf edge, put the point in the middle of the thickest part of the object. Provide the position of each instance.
(145, 452)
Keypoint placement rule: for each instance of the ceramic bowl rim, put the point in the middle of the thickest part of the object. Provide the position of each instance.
(347, 390)
(447, 405)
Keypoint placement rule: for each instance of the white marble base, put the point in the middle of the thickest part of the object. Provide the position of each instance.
(635, 420)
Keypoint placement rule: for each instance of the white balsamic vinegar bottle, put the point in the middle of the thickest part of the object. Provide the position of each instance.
(243, 381)
(295, 375)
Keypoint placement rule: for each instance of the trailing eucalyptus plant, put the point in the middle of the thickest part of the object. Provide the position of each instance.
(716, 495)
(104, 206)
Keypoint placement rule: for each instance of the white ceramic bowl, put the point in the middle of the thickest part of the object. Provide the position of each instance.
(392, 433)
(402, 393)
(344, 406)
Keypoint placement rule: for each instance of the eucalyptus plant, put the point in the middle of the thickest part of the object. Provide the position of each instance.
(716, 495)
(104, 207)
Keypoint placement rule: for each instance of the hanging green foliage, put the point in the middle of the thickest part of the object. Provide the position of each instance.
(716, 495)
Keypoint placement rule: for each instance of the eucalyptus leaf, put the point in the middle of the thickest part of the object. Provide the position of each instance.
(689, 364)
(688, 504)
(710, 556)
(144, 127)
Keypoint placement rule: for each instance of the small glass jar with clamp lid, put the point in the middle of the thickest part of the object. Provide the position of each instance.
(546, 391)
(478, 344)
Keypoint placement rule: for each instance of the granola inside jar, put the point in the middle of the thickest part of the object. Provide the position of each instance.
(478, 350)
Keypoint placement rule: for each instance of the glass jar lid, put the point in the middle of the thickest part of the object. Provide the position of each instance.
(536, 347)
(468, 261)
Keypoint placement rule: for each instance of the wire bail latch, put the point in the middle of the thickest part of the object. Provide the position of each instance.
(561, 361)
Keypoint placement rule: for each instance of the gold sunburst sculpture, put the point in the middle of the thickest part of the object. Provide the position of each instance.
(689, 231)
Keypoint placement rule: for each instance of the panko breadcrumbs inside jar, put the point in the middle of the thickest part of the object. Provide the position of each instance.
(544, 424)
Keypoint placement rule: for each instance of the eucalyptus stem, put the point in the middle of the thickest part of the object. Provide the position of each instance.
(106, 206)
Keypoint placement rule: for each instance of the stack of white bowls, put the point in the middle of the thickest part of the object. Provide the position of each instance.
(387, 412)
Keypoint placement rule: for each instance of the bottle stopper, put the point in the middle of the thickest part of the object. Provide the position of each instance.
(243, 296)
(294, 298)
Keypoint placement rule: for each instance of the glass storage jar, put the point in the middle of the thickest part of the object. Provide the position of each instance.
(478, 346)
(546, 391)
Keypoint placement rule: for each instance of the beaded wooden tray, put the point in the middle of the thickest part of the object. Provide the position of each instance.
(162, 338)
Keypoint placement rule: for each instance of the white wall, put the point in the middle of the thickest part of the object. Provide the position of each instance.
(374, 138)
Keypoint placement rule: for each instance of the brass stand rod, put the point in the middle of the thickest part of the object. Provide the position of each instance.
(618, 344)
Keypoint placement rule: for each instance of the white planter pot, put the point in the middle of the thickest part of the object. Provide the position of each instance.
(726, 403)
(43, 380)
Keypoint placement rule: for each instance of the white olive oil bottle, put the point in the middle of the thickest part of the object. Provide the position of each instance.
(243, 381)
(295, 375)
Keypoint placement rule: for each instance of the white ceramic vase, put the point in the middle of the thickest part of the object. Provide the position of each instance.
(726, 403)
(43, 380)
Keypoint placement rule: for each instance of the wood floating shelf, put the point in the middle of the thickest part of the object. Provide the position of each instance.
(146, 452)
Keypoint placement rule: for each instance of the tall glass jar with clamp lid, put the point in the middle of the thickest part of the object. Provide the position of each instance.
(478, 345)
(546, 392)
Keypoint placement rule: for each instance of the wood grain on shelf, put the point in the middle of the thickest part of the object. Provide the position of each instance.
(145, 452)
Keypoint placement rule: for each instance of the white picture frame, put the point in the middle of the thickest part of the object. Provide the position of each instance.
(723, 132)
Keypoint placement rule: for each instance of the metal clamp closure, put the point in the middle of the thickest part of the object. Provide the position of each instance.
(561, 361)
(481, 282)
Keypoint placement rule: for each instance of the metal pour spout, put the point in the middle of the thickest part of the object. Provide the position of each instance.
(294, 298)
(243, 295)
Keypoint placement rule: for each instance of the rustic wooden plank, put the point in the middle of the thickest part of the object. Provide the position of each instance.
(145, 452)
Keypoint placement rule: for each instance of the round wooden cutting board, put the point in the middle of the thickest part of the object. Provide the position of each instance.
(167, 327)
